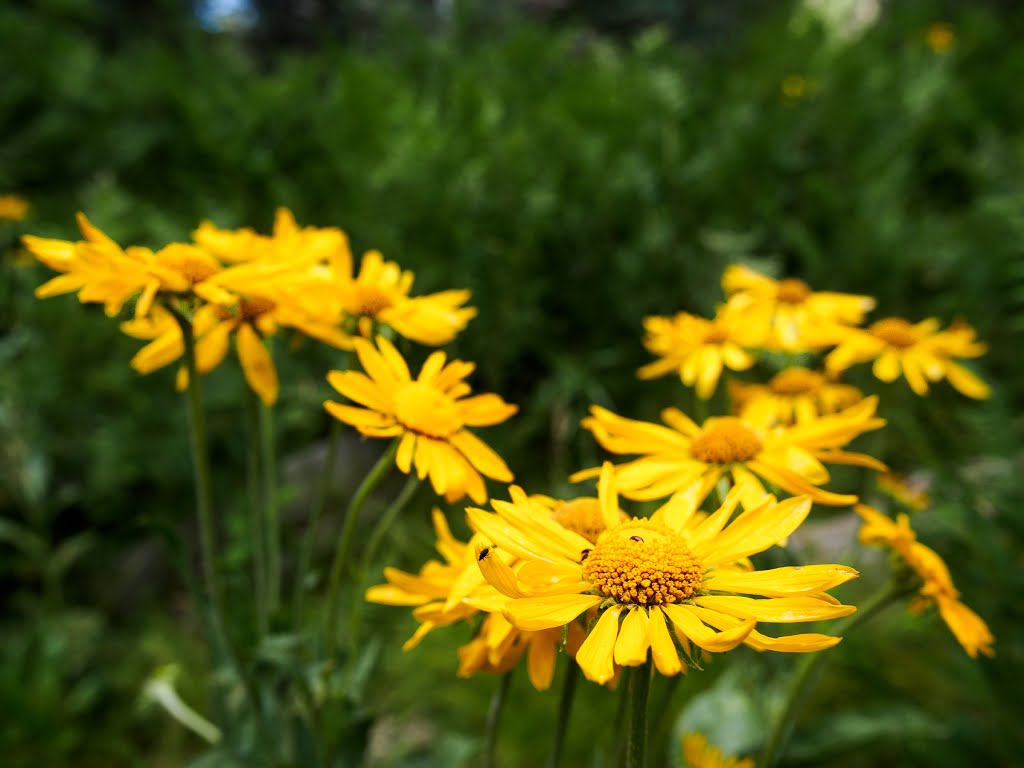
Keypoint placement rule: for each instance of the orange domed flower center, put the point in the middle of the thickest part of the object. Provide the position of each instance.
(640, 562)
(582, 516)
(251, 308)
(716, 334)
(894, 331)
(793, 291)
(422, 409)
(725, 440)
(795, 381)
(371, 300)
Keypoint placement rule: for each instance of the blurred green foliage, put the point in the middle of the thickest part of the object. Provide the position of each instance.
(575, 184)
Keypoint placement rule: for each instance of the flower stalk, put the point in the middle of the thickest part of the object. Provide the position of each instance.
(565, 701)
(638, 688)
(494, 719)
(257, 542)
(271, 519)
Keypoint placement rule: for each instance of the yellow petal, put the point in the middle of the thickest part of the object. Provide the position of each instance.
(498, 574)
(540, 660)
(755, 531)
(780, 582)
(632, 643)
(596, 654)
(663, 650)
(534, 613)
(778, 609)
(685, 619)
(257, 364)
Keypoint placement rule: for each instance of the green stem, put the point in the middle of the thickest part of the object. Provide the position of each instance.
(572, 674)
(494, 719)
(662, 718)
(637, 688)
(271, 519)
(258, 543)
(201, 472)
(811, 663)
(310, 537)
(345, 541)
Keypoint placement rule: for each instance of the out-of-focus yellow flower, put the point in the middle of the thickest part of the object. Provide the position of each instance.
(913, 495)
(795, 88)
(288, 240)
(698, 349)
(688, 459)
(793, 396)
(940, 37)
(644, 576)
(792, 317)
(430, 413)
(700, 754)
(937, 586)
(920, 352)
(13, 208)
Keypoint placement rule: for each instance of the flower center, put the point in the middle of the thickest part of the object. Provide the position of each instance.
(795, 381)
(725, 440)
(251, 308)
(582, 516)
(370, 300)
(716, 334)
(421, 408)
(894, 331)
(793, 291)
(641, 562)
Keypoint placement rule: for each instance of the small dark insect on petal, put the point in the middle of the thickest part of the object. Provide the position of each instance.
(483, 553)
(636, 538)
(584, 555)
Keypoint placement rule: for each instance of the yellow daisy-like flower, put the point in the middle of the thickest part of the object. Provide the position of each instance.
(13, 208)
(937, 586)
(288, 239)
(700, 754)
(430, 414)
(791, 315)
(940, 37)
(698, 349)
(445, 593)
(793, 396)
(684, 458)
(379, 295)
(920, 352)
(644, 576)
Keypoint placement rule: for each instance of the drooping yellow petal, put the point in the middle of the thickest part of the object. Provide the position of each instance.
(633, 641)
(497, 572)
(595, 656)
(777, 609)
(540, 661)
(686, 619)
(549, 611)
(663, 650)
(755, 531)
(257, 364)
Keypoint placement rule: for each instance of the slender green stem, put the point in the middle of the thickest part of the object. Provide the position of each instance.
(201, 471)
(661, 720)
(310, 537)
(494, 720)
(271, 519)
(637, 689)
(257, 543)
(810, 663)
(572, 674)
(345, 542)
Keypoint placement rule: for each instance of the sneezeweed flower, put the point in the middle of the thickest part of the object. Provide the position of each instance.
(920, 352)
(793, 396)
(13, 208)
(940, 37)
(644, 576)
(698, 753)
(287, 240)
(684, 458)
(791, 315)
(698, 349)
(910, 492)
(937, 586)
(429, 414)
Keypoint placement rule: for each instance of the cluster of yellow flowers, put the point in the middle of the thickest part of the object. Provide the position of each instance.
(243, 284)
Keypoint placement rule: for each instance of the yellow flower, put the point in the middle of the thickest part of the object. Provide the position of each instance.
(912, 494)
(795, 87)
(13, 208)
(644, 576)
(379, 295)
(940, 37)
(937, 586)
(686, 459)
(794, 395)
(698, 349)
(700, 754)
(792, 316)
(430, 413)
(235, 246)
(444, 593)
(920, 352)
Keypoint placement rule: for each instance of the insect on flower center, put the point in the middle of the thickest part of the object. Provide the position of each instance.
(724, 441)
(371, 300)
(793, 291)
(582, 516)
(640, 562)
(795, 381)
(422, 409)
(894, 331)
